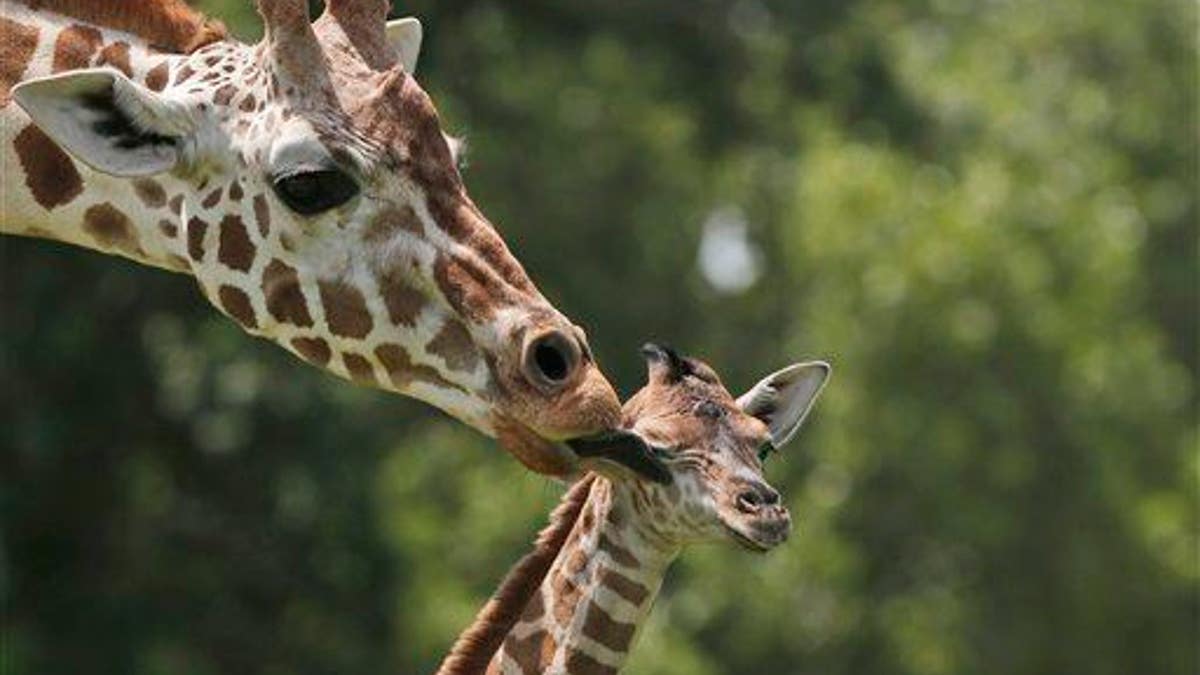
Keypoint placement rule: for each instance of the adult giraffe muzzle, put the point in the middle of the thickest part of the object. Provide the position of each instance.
(306, 184)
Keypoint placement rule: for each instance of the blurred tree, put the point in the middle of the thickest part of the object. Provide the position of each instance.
(984, 214)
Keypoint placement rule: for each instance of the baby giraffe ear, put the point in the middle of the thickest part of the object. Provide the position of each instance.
(783, 398)
(107, 121)
(405, 37)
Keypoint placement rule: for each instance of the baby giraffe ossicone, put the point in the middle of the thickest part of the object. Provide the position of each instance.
(575, 603)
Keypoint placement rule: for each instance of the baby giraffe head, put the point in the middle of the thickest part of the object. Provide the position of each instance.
(713, 448)
(574, 604)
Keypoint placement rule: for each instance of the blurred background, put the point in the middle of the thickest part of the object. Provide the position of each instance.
(983, 213)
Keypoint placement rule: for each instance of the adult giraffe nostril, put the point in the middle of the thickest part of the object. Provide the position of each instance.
(550, 359)
(551, 362)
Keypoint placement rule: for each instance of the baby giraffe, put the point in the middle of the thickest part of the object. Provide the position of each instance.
(575, 603)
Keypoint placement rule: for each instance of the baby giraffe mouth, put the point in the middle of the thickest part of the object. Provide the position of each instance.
(746, 542)
(624, 448)
(761, 536)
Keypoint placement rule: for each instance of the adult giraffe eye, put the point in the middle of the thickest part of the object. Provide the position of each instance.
(310, 192)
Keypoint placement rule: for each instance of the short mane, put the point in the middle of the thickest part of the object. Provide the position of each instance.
(478, 643)
(166, 25)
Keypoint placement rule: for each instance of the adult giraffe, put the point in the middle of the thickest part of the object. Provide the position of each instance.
(305, 182)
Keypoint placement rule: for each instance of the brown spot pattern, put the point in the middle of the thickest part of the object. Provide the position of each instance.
(620, 555)
(633, 592)
(403, 372)
(156, 78)
(471, 289)
(169, 229)
(237, 304)
(285, 301)
(534, 609)
(601, 627)
(150, 192)
(185, 72)
(345, 309)
(49, 172)
(403, 302)
(212, 199)
(454, 344)
(314, 350)
(16, 49)
(235, 249)
(565, 597)
(111, 228)
(117, 56)
(176, 204)
(196, 229)
(579, 663)
(528, 653)
(74, 47)
(248, 104)
(462, 221)
(168, 25)
(359, 368)
(576, 563)
(262, 215)
(224, 94)
(391, 220)
(235, 190)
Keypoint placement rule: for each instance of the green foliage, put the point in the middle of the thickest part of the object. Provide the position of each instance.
(984, 214)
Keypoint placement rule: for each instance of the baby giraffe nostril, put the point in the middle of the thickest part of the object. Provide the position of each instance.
(756, 498)
(749, 501)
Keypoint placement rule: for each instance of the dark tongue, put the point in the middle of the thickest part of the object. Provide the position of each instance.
(624, 448)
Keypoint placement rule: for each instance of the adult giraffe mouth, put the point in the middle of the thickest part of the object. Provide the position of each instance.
(562, 458)
(625, 448)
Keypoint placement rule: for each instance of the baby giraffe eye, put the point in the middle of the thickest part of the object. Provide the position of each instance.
(312, 191)
(765, 450)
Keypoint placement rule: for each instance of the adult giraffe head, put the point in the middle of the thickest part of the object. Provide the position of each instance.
(308, 186)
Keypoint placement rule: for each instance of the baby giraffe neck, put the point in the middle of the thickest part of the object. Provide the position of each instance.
(584, 617)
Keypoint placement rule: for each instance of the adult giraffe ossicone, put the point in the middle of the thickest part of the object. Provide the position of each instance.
(306, 183)
(574, 605)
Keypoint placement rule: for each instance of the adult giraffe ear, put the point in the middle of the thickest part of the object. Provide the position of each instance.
(783, 398)
(107, 121)
(404, 35)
